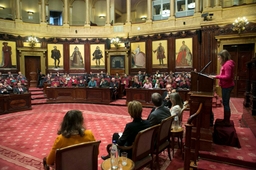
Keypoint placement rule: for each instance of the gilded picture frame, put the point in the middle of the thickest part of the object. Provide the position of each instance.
(159, 54)
(76, 56)
(184, 53)
(97, 56)
(8, 57)
(55, 56)
(138, 55)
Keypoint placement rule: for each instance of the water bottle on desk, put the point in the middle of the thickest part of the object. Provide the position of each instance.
(114, 157)
(176, 123)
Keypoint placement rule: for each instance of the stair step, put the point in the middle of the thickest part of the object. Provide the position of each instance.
(38, 101)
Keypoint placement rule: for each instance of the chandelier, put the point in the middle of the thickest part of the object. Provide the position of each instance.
(116, 42)
(32, 41)
(239, 24)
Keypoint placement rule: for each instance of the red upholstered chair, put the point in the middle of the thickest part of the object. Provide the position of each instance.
(83, 156)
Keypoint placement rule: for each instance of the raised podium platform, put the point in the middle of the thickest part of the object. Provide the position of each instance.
(225, 135)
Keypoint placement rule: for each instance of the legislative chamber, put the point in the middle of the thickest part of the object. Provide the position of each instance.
(77, 53)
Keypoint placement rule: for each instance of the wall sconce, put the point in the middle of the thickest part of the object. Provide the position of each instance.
(32, 41)
(1, 7)
(239, 24)
(30, 12)
(101, 16)
(143, 18)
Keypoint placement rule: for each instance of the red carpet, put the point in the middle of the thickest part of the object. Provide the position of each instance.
(26, 137)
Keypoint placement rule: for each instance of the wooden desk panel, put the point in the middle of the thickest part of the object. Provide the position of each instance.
(76, 94)
(15, 102)
(144, 95)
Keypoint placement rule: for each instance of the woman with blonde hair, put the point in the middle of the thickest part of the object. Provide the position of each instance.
(131, 129)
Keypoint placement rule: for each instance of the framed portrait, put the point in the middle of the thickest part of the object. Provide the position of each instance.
(97, 56)
(8, 55)
(76, 53)
(184, 53)
(159, 54)
(138, 55)
(55, 56)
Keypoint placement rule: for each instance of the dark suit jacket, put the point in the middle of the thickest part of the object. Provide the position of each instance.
(114, 85)
(104, 84)
(16, 90)
(131, 130)
(157, 115)
(166, 103)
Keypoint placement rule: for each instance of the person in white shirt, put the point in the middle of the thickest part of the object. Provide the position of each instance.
(177, 105)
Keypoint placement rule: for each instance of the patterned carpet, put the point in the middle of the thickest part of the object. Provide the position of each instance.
(26, 137)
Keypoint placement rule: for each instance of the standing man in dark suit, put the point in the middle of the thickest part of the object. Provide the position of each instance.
(159, 112)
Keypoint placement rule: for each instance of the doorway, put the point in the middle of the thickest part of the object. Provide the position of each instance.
(241, 54)
(32, 67)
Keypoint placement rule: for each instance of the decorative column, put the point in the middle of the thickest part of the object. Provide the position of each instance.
(66, 6)
(217, 4)
(18, 10)
(128, 17)
(43, 11)
(172, 12)
(197, 8)
(108, 8)
(149, 17)
(207, 3)
(87, 12)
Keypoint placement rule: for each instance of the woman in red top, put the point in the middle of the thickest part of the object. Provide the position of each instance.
(226, 82)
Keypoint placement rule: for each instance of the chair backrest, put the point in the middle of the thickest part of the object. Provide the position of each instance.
(143, 144)
(182, 111)
(163, 133)
(83, 156)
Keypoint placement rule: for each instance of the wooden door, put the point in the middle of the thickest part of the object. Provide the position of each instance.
(32, 65)
(241, 54)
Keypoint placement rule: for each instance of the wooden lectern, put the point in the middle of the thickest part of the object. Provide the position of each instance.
(202, 92)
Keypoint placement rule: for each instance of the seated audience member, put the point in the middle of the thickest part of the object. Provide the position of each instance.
(166, 96)
(108, 76)
(86, 77)
(72, 131)
(104, 83)
(131, 129)
(19, 89)
(81, 83)
(40, 80)
(74, 80)
(114, 85)
(158, 84)
(136, 83)
(159, 112)
(10, 75)
(7, 86)
(20, 76)
(92, 83)
(67, 83)
(177, 105)
(147, 85)
(3, 90)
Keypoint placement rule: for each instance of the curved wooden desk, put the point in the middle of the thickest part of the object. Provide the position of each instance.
(106, 164)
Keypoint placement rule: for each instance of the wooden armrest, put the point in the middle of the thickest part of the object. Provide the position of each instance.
(124, 147)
